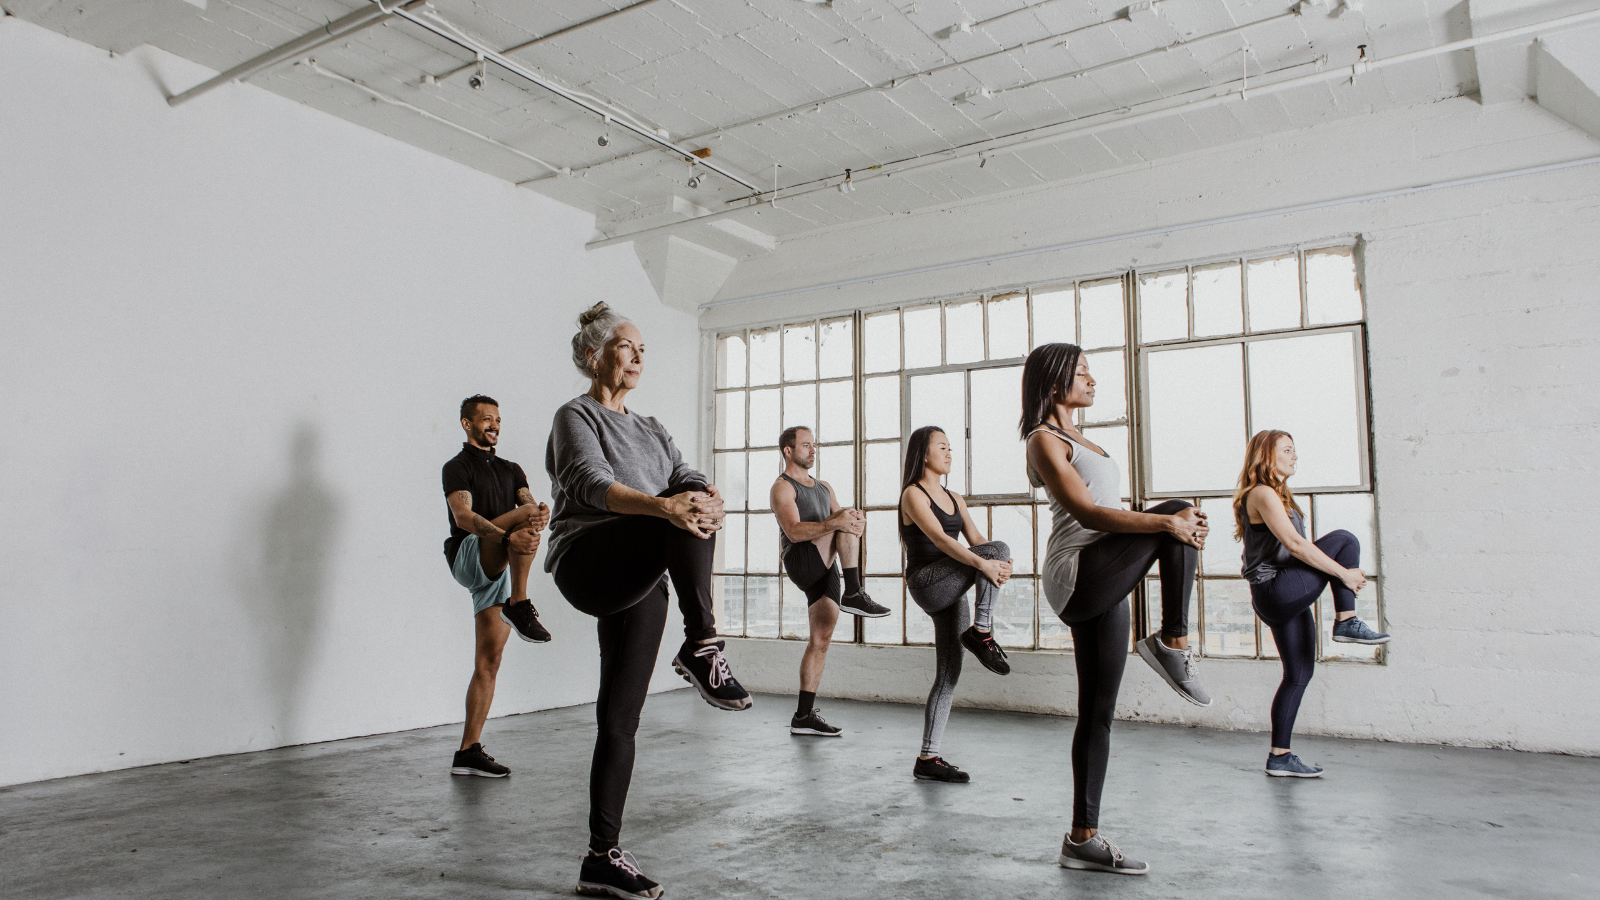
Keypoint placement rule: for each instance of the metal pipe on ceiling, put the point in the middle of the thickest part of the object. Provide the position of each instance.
(551, 35)
(1232, 94)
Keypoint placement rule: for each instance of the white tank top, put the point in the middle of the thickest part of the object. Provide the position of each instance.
(1068, 536)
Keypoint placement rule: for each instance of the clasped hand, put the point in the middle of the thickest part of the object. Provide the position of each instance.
(697, 512)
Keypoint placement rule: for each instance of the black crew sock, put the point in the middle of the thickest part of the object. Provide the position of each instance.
(808, 701)
(852, 580)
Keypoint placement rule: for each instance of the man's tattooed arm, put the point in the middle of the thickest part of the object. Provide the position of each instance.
(461, 508)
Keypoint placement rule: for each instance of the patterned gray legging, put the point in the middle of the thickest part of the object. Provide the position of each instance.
(940, 588)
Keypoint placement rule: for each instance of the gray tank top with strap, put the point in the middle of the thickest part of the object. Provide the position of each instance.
(814, 502)
(1068, 536)
(1264, 554)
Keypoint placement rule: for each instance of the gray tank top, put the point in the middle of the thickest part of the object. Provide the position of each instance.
(815, 504)
(1068, 536)
(1264, 555)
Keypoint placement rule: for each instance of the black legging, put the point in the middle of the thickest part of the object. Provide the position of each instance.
(1285, 604)
(615, 573)
(1108, 570)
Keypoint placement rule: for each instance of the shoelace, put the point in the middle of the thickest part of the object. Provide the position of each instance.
(720, 673)
(1116, 852)
(624, 860)
(1188, 664)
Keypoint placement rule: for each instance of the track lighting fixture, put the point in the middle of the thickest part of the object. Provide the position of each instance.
(479, 76)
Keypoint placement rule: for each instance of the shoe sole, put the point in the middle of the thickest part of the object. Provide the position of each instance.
(468, 770)
(1345, 640)
(1279, 773)
(1069, 862)
(863, 613)
(1148, 655)
(592, 889)
(814, 732)
(519, 633)
(1005, 670)
(729, 705)
(940, 780)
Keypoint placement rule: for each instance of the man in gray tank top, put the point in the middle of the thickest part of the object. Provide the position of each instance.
(813, 529)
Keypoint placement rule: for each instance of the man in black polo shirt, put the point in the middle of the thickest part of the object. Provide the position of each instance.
(494, 534)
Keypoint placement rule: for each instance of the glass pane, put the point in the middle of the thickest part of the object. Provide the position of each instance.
(883, 542)
(727, 602)
(963, 332)
(1110, 389)
(764, 357)
(1197, 432)
(941, 400)
(837, 348)
(837, 419)
(1274, 288)
(794, 622)
(1308, 386)
(1332, 292)
(1217, 295)
(883, 474)
(1164, 306)
(1055, 316)
(730, 363)
(1014, 526)
(919, 625)
(1008, 327)
(888, 629)
(729, 475)
(998, 464)
(1114, 441)
(1053, 633)
(882, 342)
(799, 407)
(1013, 614)
(922, 337)
(882, 407)
(1352, 513)
(1230, 623)
(1224, 554)
(837, 466)
(761, 607)
(1367, 603)
(764, 418)
(764, 468)
(729, 554)
(799, 353)
(730, 420)
(1101, 307)
(762, 549)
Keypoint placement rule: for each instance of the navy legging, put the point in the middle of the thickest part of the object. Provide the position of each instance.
(1284, 603)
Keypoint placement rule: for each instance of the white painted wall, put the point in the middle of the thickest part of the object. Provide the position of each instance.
(1484, 314)
(233, 337)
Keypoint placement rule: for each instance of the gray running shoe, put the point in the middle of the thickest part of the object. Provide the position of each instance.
(1287, 765)
(1098, 855)
(1355, 631)
(1176, 668)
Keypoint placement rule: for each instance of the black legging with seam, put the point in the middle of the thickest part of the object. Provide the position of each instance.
(615, 573)
(1285, 603)
(1099, 616)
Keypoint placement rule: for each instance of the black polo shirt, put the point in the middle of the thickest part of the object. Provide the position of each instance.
(493, 482)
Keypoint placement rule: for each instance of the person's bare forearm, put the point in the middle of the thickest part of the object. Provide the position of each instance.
(1121, 521)
(628, 502)
(1312, 555)
(801, 532)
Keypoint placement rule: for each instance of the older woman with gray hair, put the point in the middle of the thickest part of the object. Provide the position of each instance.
(628, 510)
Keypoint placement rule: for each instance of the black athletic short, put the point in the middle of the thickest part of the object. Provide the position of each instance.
(804, 566)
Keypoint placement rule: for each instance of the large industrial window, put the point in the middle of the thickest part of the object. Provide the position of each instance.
(1221, 350)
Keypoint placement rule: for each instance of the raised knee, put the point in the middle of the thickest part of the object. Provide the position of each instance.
(994, 550)
(1347, 538)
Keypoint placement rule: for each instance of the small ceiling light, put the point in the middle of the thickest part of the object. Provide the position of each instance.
(847, 185)
(604, 140)
(962, 27)
(480, 76)
(694, 178)
(1142, 9)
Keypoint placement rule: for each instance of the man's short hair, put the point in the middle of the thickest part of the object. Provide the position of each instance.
(469, 406)
(790, 437)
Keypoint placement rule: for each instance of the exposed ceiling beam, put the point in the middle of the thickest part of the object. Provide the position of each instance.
(553, 34)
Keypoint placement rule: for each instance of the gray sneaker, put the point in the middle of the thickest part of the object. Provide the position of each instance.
(1287, 765)
(1355, 631)
(1098, 855)
(1176, 667)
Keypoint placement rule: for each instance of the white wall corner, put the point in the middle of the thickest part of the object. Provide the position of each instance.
(685, 274)
(1505, 68)
(1567, 78)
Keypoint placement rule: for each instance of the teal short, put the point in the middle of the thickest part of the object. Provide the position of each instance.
(468, 570)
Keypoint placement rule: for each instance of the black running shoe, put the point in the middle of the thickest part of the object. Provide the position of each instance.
(937, 769)
(986, 650)
(473, 761)
(617, 874)
(705, 667)
(860, 603)
(525, 619)
(813, 723)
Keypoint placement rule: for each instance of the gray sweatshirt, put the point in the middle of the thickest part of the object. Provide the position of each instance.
(592, 448)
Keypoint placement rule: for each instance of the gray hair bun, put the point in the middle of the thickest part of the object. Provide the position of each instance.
(596, 325)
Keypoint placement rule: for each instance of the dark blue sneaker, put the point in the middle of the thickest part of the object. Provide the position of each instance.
(1355, 631)
(1287, 765)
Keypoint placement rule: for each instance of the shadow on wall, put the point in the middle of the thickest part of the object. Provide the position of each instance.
(285, 563)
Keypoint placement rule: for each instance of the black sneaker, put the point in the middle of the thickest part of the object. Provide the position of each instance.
(617, 874)
(860, 603)
(473, 761)
(937, 769)
(986, 650)
(813, 723)
(705, 667)
(525, 619)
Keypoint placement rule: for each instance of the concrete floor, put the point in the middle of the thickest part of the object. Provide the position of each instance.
(729, 805)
